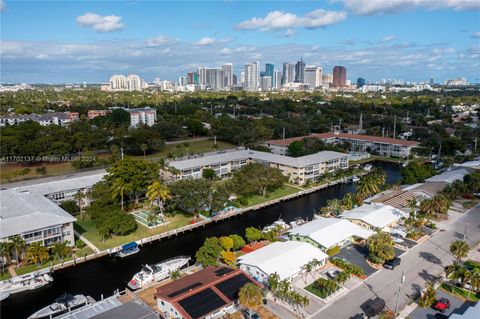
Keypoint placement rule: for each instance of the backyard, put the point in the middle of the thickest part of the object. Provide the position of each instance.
(279, 192)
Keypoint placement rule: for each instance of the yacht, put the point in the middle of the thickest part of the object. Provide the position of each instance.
(279, 224)
(127, 250)
(297, 222)
(154, 273)
(367, 167)
(63, 304)
(22, 283)
(355, 179)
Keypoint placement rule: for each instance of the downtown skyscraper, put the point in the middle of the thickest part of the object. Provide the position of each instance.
(227, 69)
(339, 76)
(269, 68)
(251, 74)
(288, 73)
(300, 71)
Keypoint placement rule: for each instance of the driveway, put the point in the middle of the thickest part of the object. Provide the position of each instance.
(456, 305)
(357, 255)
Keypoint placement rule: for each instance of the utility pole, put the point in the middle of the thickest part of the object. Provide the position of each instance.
(402, 280)
(465, 232)
(215, 140)
(383, 131)
(283, 133)
(475, 144)
(360, 123)
(394, 126)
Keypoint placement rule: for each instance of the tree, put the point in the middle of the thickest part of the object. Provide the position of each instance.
(455, 272)
(61, 250)
(191, 195)
(175, 274)
(119, 188)
(70, 206)
(380, 247)
(6, 250)
(209, 253)
(238, 242)
(18, 246)
(256, 178)
(459, 249)
(250, 296)
(226, 242)
(209, 173)
(228, 257)
(151, 219)
(429, 295)
(436, 207)
(253, 234)
(37, 253)
(144, 148)
(416, 173)
(370, 184)
(158, 193)
(387, 314)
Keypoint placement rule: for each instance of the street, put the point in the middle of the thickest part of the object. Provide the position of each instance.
(422, 263)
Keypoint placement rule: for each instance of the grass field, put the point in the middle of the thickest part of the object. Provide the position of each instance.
(5, 275)
(15, 172)
(280, 192)
(322, 293)
(87, 229)
(460, 292)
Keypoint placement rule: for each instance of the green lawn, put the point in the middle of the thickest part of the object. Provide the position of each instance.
(456, 291)
(87, 229)
(280, 192)
(322, 293)
(472, 263)
(5, 275)
(33, 267)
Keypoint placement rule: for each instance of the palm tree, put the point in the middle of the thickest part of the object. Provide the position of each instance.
(151, 219)
(455, 272)
(37, 253)
(249, 296)
(175, 274)
(144, 148)
(119, 187)
(6, 250)
(273, 282)
(158, 193)
(459, 249)
(61, 250)
(79, 196)
(474, 281)
(18, 246)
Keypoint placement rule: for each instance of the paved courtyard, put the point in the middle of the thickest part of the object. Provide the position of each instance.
(456, 305)
(357, 255)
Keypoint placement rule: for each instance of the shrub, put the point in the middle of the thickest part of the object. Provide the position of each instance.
(348, 266)
(238, 242)
(70, 207)
(325, 286)
(376, 260)
(332, 251)
(41, 170)
(79, 244)
(242, 201)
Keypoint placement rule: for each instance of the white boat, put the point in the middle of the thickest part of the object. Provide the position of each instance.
(297, 222)
(26, 282)
(63, 304)
(279, 224)
(127, 250)
(154, 273)
(367, 167)
(355, 179)
(4, 295)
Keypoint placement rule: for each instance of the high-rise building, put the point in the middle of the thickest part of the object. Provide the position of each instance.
(242, 78)
(227, 69)
(251, 76)
(118, 82)
(300, 71)
(288, 73)
(265, 83)
(432, 81)
(277, 80)
(327, 79)
(202, 76)
(192, 78)
(269, 68)
(361, 82)
(313, 76)
(339, 76)
(235, 80)
(182, 80)
(214, 79)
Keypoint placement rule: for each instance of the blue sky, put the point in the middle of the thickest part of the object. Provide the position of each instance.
(76, 41)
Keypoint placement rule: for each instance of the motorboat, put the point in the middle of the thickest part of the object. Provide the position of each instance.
(4, 295)
(25, 282)
(127, 250)
(277, 225)
(367, 167)
(297, 222)
(63, 304)
(157, 272)
(355, 179)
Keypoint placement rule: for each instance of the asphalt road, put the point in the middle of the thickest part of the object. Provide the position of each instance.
(423, 262)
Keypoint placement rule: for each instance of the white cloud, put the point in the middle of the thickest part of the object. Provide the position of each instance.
(225, 51)
(101, 23)
(277, 20)
(388, 38)
(371, 7)
(205, 41)
(161, 40)
(476, 35)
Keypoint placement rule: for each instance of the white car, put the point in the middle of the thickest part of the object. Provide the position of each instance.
(332, 273)
(397, 240)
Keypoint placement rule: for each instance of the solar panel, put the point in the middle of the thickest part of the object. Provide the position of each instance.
(231, 286)
(181, 291)
(201, 303)
(223, 271)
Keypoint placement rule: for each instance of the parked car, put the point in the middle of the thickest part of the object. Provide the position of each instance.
(392, 263)
(250, 314)
(332, 273)
(397, 240)
(442, 304)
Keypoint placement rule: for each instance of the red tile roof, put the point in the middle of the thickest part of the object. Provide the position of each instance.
(322, 136)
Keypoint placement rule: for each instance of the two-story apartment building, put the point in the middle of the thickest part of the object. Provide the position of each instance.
(299, 170)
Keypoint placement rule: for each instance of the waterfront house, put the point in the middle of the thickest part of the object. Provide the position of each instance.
(374, 216)
(287, 259)
(209, 293)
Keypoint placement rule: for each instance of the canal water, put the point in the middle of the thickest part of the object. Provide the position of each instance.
(106, 274)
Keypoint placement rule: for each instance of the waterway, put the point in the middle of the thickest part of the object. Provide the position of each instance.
(105, 275)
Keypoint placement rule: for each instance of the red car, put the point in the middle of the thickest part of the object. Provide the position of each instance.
(442, 304)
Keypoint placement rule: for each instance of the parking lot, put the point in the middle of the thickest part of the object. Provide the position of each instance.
(357, 255)
(456, 305)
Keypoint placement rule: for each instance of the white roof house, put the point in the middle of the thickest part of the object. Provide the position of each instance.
(284, 258)
(375, 215)
(450, 176)
(329, 232)
(23, 212)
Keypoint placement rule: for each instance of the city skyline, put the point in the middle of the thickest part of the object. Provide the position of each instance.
(53, 42)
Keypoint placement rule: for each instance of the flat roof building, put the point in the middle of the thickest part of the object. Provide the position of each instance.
(298, 169)
(209, 293)
(374, 216)
(326, 233)
(287, 259)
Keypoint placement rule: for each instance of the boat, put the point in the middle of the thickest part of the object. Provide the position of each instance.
(4, 295)
(297, 222)
(355, 179)
(63, 304)
(128, 249)
(25, 282)
(367, 167)
(277, 225)
(157, 272)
